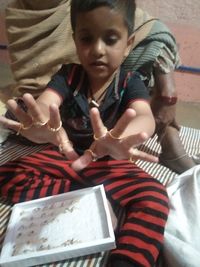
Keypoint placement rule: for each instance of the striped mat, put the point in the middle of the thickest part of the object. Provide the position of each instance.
(12, 149)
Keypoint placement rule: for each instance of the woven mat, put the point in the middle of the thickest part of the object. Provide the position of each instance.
(12, 149)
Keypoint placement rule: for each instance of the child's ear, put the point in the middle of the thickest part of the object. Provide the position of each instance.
(129, 45)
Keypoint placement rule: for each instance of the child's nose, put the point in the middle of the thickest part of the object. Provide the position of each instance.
(99, 48)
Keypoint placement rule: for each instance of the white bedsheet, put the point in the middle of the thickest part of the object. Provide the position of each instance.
(3, 134)
(182, 234)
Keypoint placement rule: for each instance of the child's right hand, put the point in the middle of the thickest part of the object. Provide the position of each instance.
(37, 126)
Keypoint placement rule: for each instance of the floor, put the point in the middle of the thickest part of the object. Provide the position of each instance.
(187, 112)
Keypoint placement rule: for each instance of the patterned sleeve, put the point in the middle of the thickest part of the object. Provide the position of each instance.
(58, 82)
(135, 90)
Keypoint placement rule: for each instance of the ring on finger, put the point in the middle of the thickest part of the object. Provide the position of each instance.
(19, 129)
(92, 154)
(113, 136)
(62, 145)
(54, 129)
(133, 158)
(39, 124)
(103, 135)
(23, 127)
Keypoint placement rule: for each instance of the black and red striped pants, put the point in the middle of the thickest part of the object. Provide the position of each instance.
(143, 198)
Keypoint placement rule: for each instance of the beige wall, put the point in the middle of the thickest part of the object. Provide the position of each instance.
(3, 4)
(178, 11)
(183, 18)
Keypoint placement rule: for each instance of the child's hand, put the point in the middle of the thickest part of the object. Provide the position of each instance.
(35, 125)
(110, 142)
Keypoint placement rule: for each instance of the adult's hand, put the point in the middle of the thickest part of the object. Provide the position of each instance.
(164, 115)
(112, 143)
(38, 127)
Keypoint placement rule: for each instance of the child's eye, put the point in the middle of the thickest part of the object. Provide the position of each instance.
(86, 39)
(111, 40)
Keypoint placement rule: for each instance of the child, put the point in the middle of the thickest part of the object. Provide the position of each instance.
(102, 35)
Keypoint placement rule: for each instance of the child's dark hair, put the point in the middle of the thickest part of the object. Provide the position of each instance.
(126, 7)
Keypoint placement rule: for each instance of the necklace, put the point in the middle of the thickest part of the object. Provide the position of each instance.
(96, 101)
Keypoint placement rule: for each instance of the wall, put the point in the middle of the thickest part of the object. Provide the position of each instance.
(179, 11)
(182, 17)
(3, 4)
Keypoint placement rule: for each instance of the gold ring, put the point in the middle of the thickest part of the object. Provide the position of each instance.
(61, 145)
(113, 136)
(93, 155)
(97, 138)
(39, 124)
(19, 129)
(135, 153)
(26, 127)
(131, 159)
(54, 129)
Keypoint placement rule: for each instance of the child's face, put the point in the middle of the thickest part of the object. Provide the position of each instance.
(102, 43)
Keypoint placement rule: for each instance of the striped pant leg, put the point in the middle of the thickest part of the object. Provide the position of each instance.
(145, 202)
(38, 175)
(144, 198)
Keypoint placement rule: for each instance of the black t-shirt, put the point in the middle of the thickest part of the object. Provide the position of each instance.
(71, 83)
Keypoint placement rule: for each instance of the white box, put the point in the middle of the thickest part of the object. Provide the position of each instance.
(59, 227)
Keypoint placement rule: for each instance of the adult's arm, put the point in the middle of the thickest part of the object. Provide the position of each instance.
(164, 101)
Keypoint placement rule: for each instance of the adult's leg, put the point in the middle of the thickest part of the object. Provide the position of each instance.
(40, 41)
(173, 153)
(163, 106)
(145, 202)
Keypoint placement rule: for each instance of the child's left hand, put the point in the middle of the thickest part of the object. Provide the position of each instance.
(113, 143)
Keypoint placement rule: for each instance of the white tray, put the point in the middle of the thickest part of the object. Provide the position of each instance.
(58, 227)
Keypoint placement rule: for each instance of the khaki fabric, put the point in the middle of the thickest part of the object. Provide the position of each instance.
(40, 40)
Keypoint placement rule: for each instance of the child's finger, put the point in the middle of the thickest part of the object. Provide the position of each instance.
(54, 124)
(123, 122)
(19, 113)
(98, 127)
(135, 139)
(39, 118)
(82, 162)
(140, 155)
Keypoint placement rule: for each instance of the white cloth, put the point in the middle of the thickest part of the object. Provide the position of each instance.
(196, 158)
(182, 234)
(4, 133)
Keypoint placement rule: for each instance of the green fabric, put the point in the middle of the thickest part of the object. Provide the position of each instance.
(159, 46)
